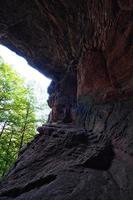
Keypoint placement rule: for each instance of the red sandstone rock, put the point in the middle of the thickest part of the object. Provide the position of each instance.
(86, 48)
(93, 77)
(119, 53)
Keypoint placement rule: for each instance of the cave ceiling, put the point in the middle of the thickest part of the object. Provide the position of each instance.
(53, 35)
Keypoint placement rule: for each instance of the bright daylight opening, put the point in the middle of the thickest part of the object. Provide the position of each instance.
(23, 105)
(31, 76)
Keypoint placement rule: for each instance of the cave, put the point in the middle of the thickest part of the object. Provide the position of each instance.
(85, 151)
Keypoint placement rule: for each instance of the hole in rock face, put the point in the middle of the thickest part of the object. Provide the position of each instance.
(102, 161)
(23, 105)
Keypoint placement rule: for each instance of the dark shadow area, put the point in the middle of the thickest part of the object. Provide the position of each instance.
(36, 184)
(102, 161)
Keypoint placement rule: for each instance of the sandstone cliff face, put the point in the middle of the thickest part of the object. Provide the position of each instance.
(86, 48)
(66, 162)
(90, 39)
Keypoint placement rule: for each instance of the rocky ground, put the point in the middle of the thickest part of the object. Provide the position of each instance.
(67, 162)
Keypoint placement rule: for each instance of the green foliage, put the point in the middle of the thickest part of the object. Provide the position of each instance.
(17, 116)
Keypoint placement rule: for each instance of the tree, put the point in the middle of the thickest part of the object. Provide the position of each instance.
(17, 116)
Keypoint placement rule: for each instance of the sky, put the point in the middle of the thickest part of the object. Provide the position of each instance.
(30, 75)
(22, 67)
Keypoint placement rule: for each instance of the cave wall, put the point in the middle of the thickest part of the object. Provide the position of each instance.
(85, 151)
(63, 98)
(105, 72)
(91, 40)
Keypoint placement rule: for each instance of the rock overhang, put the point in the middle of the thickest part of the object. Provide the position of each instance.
(85, 47)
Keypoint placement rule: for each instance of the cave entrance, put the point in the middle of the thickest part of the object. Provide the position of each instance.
(23, 105)
(31, 77)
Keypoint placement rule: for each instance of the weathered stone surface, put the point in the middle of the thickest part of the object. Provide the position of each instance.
(66, 38)
(126, 4)
(119, 54)
(97, 84)
(86, 48)
(62, 98)
(65, 162)
(109, 74)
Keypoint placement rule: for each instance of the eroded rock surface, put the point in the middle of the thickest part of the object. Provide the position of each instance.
(90, 40)
(66, 162)
(86, 48)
